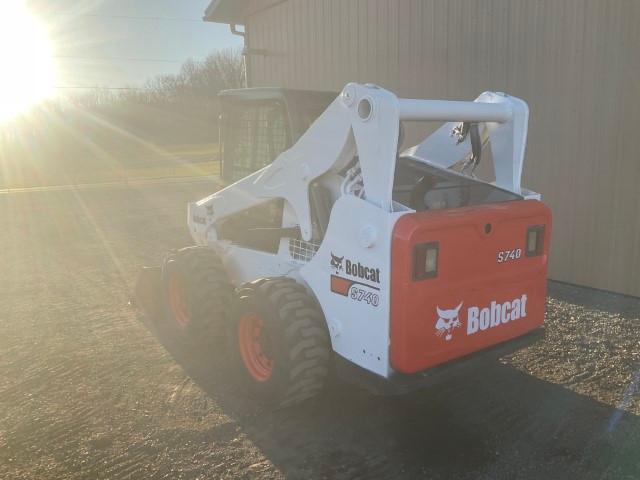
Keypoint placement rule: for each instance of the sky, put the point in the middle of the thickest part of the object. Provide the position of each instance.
(120, 43)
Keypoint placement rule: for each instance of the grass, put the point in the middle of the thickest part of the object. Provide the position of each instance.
(167, 162)
(141, 173)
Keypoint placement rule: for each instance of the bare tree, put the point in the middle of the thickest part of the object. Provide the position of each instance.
(101, 130)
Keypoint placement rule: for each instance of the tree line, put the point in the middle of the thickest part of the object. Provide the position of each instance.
(171, 119)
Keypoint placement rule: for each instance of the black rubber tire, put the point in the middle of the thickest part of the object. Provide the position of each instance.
(300, 346)
(208, 294)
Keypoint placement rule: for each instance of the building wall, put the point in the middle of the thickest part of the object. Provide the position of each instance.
(576, 62)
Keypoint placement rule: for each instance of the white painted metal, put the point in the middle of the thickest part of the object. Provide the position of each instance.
(359, 330)
(363, 121)
(454, 111)
(508, 140)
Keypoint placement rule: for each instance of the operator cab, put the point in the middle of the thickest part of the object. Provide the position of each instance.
(257, 124)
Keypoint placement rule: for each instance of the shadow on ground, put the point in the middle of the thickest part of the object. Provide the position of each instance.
(497, 423)
(86, 393)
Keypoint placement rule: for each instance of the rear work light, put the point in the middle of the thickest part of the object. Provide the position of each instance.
(425, 261)
(535, 240)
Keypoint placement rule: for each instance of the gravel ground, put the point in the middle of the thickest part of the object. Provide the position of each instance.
(89, 391)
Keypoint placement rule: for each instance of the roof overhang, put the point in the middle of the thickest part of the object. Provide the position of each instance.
(226, 11)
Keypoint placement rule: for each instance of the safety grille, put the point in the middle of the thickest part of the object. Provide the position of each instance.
(302, 251)
(255, 136)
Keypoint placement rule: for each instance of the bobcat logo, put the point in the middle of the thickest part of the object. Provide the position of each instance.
(447, 321)
(336, 262)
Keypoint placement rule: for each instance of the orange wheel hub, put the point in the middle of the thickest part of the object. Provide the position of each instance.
(250, 339)
(178, 299)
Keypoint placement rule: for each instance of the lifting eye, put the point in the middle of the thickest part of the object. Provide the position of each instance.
(425, 261)
(364, 109)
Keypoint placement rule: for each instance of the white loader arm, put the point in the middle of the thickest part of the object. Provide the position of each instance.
(364, 120)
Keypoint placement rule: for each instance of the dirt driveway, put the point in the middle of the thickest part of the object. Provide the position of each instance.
(88, 391)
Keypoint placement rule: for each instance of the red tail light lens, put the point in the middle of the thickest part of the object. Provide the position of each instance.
(425, 261)
(535, 240)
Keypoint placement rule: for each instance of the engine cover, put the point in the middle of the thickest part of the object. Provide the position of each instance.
(487, 288)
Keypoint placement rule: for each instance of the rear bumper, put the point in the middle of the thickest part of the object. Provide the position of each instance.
(400, 383)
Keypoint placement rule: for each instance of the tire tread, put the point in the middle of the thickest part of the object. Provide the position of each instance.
(302, 322)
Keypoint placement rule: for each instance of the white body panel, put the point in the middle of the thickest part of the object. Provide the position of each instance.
(359, 330)
(363, 121)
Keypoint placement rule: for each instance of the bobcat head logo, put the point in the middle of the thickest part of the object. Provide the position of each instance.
(447, 321)
(336, 262)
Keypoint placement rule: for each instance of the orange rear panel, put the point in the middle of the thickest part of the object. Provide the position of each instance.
(475, 301)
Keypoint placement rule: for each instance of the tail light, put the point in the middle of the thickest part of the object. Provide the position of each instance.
(535, 240)
(425, 261)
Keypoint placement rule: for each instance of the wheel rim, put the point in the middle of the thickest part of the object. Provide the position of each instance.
(250, 330)
(178, 300)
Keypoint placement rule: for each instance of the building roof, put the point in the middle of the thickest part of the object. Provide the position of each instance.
(226, 11)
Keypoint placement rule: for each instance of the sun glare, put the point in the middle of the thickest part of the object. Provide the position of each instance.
(27, 73)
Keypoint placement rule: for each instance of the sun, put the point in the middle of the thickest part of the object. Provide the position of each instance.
(27, 72)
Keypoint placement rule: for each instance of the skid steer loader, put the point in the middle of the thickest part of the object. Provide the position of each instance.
(334, 253)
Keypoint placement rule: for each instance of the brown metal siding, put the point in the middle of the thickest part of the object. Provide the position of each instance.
(575, 62)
